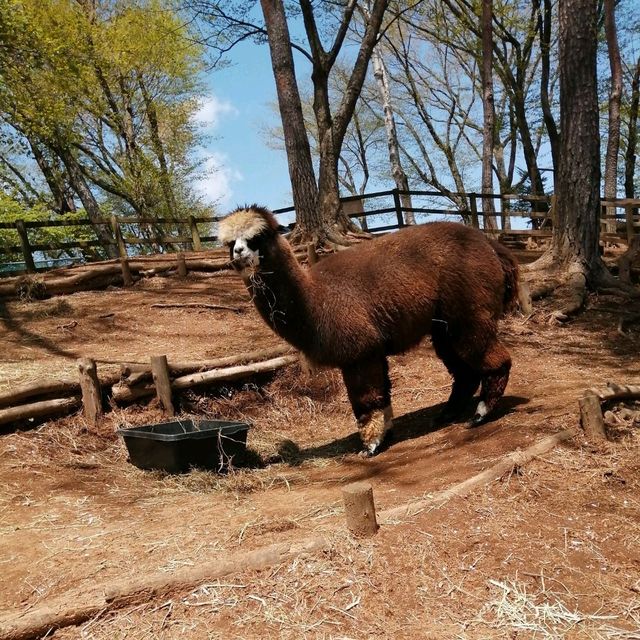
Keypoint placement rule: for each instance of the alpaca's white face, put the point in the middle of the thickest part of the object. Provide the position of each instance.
(240, 231)
(242, 255)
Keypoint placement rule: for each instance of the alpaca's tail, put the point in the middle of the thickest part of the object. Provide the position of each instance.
(511, 273)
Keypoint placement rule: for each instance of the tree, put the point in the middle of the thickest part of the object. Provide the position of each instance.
(489, 114)
(575, 235)
(301, 173)
(574, 254)
(632, 133)
(319, 215)
(398, 174)
(332, 124)
(102, 94)
(615, 100)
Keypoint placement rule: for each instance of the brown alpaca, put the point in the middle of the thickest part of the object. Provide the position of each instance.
(356, 307)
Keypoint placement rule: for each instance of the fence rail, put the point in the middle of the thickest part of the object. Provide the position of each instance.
(614, 225)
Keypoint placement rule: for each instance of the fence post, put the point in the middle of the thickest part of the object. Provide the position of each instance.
(115, 226)
(26, 247)
(91, 393)
(398, 206)
(195, 234)
(474, 211)
(628, 213)
(160, 374)
(182, 265)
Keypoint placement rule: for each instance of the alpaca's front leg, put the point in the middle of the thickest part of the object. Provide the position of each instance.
(369, 390)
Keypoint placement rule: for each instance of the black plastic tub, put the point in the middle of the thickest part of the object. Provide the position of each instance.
(179, 445)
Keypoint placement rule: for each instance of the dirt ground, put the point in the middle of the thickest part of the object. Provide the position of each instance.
(549, 551)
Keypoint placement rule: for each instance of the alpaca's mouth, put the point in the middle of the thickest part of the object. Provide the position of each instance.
(242, 262)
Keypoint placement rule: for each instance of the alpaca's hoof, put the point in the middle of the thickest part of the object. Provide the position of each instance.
(480, 415)
(370, 450)
(476, 421)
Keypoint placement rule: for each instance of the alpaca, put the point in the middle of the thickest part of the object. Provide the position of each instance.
(356, 307)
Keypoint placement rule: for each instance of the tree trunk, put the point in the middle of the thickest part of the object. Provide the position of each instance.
(158, 148)
(62, 199)
(545, 49)
(397, 171)
(615, 99)
(301, 173)
(632, 136)
(488, 207)
(88, 200)
(332, 127)
(575, 235)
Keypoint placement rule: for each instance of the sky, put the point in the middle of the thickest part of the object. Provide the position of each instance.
(234, 114)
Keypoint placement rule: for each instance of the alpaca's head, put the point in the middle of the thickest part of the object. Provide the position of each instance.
(245, 231)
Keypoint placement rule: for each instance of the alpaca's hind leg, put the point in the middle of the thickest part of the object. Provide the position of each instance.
(466, 379)
(495, 375)
(369, 390)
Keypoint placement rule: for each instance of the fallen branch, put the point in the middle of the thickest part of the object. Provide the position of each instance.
(33, 389)
(505, 466)
(43, 409)
(76, 608)
(48, 387)
(616, 392)
(232, 373)
(123, 394)
(202, 365)
(194, 305)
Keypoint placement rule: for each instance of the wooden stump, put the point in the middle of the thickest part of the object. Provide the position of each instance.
(91, 393)
(182, 265)
(591, 417)
(359, 509)
(160, 373)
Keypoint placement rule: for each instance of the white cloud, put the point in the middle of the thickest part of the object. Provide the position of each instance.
(211, 111)
(216, 185)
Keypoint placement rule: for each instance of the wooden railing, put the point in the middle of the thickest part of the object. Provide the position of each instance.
(378, 212)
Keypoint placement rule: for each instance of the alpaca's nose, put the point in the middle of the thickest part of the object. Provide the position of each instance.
(237, 251)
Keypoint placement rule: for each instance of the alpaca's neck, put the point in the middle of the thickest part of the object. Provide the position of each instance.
(281, 291)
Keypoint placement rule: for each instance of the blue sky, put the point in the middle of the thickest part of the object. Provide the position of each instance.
(235, 112)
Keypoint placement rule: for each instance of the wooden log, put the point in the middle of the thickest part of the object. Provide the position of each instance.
(591, 417)
(34, 389)
(91, 392)
(182, 265)
(122, 394)
(63, 387)
(617, 392)
(74, 608)
(359, 509)
(160, 373)
(230, 374)
(464, 488)
(137, 378)
(202, 365)
(42, 409)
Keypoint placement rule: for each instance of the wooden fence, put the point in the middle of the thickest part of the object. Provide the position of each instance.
(377, 212)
